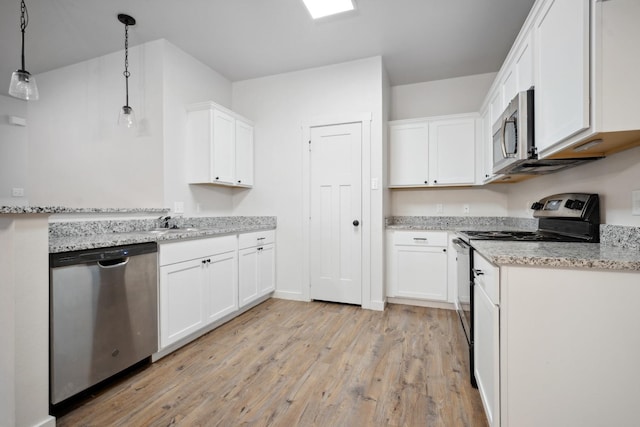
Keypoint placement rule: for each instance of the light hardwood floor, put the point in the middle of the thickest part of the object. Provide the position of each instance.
(287, 363)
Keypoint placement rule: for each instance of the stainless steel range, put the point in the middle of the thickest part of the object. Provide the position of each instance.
(567, 217)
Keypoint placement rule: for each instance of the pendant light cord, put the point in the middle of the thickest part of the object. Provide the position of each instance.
(24, 21)
(126, 61)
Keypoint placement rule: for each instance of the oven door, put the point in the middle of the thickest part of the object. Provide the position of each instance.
(463, 299)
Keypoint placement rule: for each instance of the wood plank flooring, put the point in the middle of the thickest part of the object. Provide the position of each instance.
(287, 363)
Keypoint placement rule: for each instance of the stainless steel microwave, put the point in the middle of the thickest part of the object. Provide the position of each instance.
(513, 138)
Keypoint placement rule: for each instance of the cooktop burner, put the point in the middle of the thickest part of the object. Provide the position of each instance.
(525, 236)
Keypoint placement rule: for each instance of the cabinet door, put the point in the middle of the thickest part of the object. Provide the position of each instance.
(561, 71)
(223, 140)
(421, 272)
(487, 146)
(409, 154)
(496, 106)
(519, 76)
(523, 66)
(181, 296)
(487, 353)
(452, 146)
(244, 154)
(266, 269)
(221, 286)
(247, 275)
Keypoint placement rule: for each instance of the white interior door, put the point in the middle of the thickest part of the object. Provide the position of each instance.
(335, 214)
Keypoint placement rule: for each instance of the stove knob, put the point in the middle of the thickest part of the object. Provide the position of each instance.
(569, 204)
(536, 206)
(578, 205)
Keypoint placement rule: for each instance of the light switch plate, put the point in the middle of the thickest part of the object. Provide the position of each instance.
(635, 202)
(439, 208)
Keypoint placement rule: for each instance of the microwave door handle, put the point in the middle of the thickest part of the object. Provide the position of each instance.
(503, 142)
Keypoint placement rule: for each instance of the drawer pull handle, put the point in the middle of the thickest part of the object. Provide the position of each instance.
(478, 272)
(422, 239)
(261, 238)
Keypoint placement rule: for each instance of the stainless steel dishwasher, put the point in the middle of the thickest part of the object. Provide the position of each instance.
(103, 314)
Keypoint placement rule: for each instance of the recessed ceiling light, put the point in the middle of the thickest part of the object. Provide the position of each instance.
(322, 8)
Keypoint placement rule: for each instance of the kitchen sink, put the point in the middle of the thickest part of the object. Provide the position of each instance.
(161, 231)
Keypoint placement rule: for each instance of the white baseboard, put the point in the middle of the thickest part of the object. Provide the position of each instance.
(421, 303)
(288, 295)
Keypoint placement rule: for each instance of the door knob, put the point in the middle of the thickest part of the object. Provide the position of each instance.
(356, 222)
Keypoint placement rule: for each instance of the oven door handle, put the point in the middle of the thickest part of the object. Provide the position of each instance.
(460, 244)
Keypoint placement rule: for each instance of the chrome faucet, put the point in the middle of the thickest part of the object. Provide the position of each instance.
(164, 221)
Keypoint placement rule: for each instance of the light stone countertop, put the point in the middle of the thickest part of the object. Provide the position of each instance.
(77, 243)
(558, 255)
(12, 210)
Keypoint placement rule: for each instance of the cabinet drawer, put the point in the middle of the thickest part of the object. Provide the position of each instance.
(487, 276)
(258, 238)
(173, 252)
(420, 238)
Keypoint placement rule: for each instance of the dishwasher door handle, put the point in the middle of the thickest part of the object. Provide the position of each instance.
(113, 263)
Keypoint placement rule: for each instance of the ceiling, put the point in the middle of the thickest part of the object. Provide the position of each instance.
(419, 40)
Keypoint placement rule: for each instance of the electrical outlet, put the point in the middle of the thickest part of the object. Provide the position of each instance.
(17, 192)
(178, 207)
(635, 202)
(465, 208)
(439, 208)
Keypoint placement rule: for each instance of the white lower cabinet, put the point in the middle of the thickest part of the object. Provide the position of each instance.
(181, 296)
(418, 265)
(486, 320)
(221, 285)
(198, 285)
(256, 266)
(205, 280)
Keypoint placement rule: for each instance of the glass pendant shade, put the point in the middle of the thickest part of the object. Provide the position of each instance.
(23, 86)
(127, 117)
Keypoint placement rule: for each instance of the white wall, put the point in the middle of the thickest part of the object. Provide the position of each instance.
(279, 105)
(613, 178)
(187, 81)
(489, 200)
(13, 152)
(77, 155)
(440, 97)
(436, 98)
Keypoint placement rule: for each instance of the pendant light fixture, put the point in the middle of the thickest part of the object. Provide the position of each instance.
(127, 117)
(23, 84)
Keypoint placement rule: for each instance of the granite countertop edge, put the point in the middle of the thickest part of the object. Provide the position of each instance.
(558, 255)
(77, 243)
(19, 210)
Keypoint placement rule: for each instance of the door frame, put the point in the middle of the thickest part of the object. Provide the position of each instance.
(365, 120)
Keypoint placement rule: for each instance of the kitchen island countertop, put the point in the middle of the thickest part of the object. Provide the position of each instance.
(558, 255)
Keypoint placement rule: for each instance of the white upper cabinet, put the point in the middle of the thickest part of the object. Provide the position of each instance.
(433, 151)
(519, 75)
(409, 154)
(617, 65)
(244, 154)
(486, 171)
(561, 75)
(219, 146)
(452, 151)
